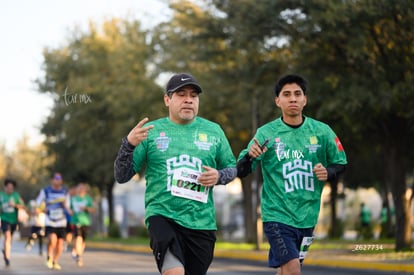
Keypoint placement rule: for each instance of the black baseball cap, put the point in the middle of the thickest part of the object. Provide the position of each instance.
(180, 80)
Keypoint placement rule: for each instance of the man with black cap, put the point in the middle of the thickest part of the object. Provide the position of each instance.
(185, 157)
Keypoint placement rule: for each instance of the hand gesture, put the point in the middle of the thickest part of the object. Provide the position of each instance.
(139, 133)
(209, 177)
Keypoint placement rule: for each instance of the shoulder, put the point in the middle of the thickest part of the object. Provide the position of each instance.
(314, 123)
(157, 121)
(274, 124)
(208, 123)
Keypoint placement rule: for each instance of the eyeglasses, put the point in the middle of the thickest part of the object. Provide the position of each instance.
(57, 177)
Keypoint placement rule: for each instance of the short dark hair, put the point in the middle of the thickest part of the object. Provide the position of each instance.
(289, 79)
(7, 181)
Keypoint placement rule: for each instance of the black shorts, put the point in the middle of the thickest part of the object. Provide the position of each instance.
(80, 230)
(69, 228)
(6, 226)
(59, 231)
(37, 230)
(194, 248)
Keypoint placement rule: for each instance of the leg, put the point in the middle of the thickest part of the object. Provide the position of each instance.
(51, 246)
(32, 237)
(58, 249)
(68, 243)
(40, 240)
(174, 271)
(60, 239)
(171, 265)
(7, 246)
(290, 268)
(8, 230)
(79, 248)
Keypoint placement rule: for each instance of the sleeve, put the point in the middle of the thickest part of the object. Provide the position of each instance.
(40, 198)
(335, 150)
(244, 166)
(68, 201)
(227, 162)
(20, 200)
(123, 165)
(336, 161)
(334, 170)
(226, 175)
(90, 202)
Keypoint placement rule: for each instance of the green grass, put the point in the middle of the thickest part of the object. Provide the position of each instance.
(129, 241)
(365, 247)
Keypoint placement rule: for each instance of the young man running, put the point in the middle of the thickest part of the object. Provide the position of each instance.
(298, 155)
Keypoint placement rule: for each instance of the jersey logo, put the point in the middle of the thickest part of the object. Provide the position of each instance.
(162, 142)
(339, 144)
(313, 145)
(298, 175)
(201, 141)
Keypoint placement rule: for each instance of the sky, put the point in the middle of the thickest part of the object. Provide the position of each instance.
(26, 28)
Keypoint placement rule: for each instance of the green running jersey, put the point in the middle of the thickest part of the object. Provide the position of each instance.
(9, 213)
(79, 216)
(174, 155)
(291, 193)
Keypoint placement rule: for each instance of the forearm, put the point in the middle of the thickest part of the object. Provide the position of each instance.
(244, 166)
(226, 175)
(123, 169)
(335, 170)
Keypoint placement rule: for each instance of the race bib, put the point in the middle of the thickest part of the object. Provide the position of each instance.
(304, 247)
(57, 214)
(77, 206)
(8, 209)
(185, 185)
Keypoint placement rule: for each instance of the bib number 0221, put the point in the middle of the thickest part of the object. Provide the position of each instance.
(185, 185)
(189, 185)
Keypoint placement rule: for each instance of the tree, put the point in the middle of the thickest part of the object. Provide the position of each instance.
(102, 88)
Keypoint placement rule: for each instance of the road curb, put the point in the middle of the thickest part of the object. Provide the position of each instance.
(262, 257)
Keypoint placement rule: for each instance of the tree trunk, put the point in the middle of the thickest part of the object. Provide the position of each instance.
(248, 209)
(396, 175)
(335, 229)
(251, 191)
(257, 213)
(109, 196)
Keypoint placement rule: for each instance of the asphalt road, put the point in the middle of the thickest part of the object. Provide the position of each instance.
(104, 262)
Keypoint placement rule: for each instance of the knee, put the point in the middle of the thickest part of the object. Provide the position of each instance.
(291, 268)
